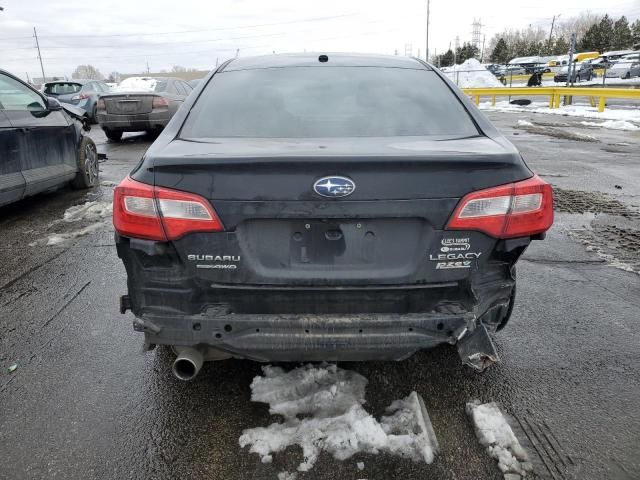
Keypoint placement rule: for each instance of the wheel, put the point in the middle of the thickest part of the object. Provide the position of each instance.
(94, 114)
(628, 75)
(113, 135)
(88, 171)
(154, 133)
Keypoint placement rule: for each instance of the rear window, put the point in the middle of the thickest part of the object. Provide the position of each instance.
(62, 88)
(327, 102)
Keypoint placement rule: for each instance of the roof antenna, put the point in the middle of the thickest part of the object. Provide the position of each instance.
(323, 58)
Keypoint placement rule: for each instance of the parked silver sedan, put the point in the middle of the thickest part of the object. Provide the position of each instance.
(141, 104)
(624, 69)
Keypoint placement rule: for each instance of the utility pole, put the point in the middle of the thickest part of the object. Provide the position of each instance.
(553, 22)
(484, 38)
(148, 71)
(35, 34)
(427, 49)
(570, 67)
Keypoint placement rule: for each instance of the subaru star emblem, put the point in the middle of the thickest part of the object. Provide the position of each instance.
(334, 186)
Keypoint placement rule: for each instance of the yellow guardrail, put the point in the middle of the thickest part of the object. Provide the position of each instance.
(554, 94)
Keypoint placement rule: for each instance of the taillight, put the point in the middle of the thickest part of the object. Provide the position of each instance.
(514, 210)
(160, 102)
(82, 96)
(157, 213)
(101, 105)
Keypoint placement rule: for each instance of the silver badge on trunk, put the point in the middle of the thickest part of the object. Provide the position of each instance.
(334, 186)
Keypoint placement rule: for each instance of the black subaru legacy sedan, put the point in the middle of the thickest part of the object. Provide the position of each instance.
(326, 207)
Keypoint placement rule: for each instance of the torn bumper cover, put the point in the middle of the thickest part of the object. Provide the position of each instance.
(291, 337)
(476, 349)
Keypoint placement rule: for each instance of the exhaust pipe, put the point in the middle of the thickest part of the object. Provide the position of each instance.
(188, 363)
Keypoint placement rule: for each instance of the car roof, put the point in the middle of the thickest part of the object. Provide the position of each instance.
(75, 80)
(334, 59)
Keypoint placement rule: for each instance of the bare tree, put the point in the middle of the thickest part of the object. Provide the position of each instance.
(87, 71)
(578, 25)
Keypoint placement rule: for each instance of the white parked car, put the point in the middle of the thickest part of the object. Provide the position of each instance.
(624, 69)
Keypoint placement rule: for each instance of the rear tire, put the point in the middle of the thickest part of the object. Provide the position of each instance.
(512, 300)
(88, 175)
(94, 115)
(113, 135)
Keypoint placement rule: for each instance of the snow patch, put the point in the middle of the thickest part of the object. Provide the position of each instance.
(287, 476)
(322, 410)
(629, 115)
(98, 213)
(614, 125)
(58, 238)
(524, 123)
(90, 211)
(360, 466)
(493, 432)
(471, 74)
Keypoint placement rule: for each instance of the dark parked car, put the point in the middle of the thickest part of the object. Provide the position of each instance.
(81, 93)
(42, 146)
(340, 207)
(580, 71)
(141, 103)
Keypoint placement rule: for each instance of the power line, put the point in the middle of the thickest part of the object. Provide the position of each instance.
(109, 35)
(214, 49)
(188, 42)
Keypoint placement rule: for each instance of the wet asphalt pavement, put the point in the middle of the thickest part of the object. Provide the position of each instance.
(85, 402)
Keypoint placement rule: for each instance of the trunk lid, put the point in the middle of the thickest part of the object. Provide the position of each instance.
(388, 231)
(128, 103)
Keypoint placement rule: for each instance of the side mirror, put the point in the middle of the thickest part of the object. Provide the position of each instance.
(53, 104)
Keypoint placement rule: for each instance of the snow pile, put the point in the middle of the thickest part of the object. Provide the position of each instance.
(494, 432)
(471, 74)
(525, 123)
(137, 84)
(90, 211)
(322, 410)
(614, 125)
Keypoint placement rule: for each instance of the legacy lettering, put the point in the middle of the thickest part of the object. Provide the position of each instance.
(455, 256)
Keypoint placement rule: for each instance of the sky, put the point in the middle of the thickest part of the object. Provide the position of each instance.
(122, 36)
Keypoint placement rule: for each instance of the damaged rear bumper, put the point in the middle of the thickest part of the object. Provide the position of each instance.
(278, 337)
